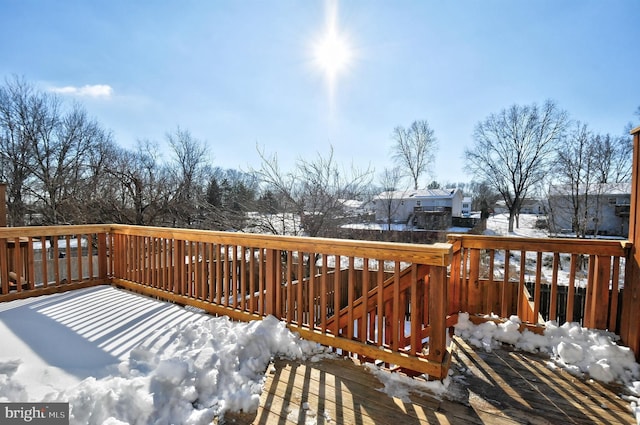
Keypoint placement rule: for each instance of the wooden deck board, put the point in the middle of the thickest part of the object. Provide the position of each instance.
(504, 387)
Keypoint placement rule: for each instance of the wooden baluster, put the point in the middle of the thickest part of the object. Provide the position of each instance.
(537, 289)
(615, 289)
(271, 281)
(323, 294)
(572, 287)
(337, 290)
(395, 319)
(474, 290)
(522, 301)
(505, 299)
(553, 302)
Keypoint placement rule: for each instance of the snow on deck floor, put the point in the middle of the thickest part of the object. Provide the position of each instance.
(118, 357)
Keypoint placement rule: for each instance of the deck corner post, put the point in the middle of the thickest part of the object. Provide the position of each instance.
(629, 326)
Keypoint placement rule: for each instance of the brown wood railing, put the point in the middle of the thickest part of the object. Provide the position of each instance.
(539, 279)
(317, 286)
(381, 302)
(372, 300)
(43, 260)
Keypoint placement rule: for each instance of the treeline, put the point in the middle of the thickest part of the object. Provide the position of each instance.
(63, 167)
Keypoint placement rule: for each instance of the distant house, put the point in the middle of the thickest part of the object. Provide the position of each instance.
(402, 206)
(353, 206)
(529, 206)
(604, 210)
(466, 206)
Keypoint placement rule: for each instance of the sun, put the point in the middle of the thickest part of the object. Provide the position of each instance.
(332, 53)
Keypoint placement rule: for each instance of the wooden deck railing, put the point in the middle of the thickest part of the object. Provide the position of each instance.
(44, 260)
(378, 301)
(539, 279)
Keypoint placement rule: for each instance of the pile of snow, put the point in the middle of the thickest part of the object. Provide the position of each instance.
(204, 371)
(578, 350)
(400, 386)
(187, 373)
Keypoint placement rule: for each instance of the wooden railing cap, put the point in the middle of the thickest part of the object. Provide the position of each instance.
(635, 130)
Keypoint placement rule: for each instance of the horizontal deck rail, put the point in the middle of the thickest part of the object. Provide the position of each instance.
(377, 301)
(539, 279)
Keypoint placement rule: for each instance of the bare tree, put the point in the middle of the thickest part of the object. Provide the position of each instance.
(137, 187)
(189, 170)
(574, 169)
(312, 195)
(414, 150)
(19, 102)
(513, 149)
(61, 153)
(389, 182)
(585, 163)
(612, 158)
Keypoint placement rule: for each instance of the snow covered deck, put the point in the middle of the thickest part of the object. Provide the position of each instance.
(118, 356)
(114, 355)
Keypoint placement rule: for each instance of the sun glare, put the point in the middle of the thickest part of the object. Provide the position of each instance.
(332, 53)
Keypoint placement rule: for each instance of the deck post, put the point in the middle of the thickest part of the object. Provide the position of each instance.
(630, 322)
(438, 313)
(272, 283)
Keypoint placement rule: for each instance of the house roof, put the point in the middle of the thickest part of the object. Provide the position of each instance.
(419, 194)
(595, 188)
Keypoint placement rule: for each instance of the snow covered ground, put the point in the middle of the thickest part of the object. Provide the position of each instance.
(498, 224)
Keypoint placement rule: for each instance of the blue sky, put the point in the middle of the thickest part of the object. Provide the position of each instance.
(238, 74)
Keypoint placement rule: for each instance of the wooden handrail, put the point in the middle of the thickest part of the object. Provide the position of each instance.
(438, 254)
(38, 231)
(564, 245)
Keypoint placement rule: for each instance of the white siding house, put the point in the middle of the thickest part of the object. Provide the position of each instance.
(466, 206)
(607, 209)
(400, 205)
